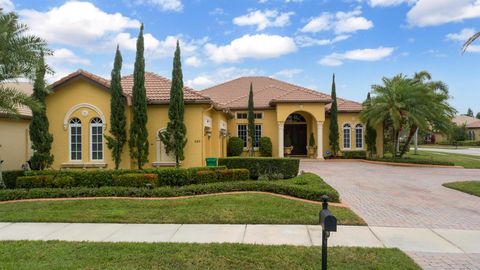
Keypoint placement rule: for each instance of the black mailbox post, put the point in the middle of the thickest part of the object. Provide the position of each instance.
(329, 224)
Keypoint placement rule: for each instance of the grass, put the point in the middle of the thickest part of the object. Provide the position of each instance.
(441, 146)
(76, 255)
(307, 186)
(467, 161)
(218, 209)
(470, 187)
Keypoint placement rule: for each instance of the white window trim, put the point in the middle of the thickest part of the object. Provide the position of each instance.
(349, 135)
(238, 134)
(362, 137)
(261, 134)
(70, 141)
(236, 115)
(91, 140)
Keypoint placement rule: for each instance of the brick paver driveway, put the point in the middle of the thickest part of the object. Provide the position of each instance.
(407, 197)
(402, 196)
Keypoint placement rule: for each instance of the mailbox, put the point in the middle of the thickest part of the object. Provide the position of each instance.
(329, 224)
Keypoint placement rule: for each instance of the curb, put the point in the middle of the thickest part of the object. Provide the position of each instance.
(400, 164)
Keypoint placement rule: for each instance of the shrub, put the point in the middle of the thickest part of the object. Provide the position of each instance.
(135, 180)
(311, 141)
(234, 147)
(469, 143)
(62, 182)
(307, 186)
(354, 154)
(10, 177)
(37, 181)
(265, 147)
(415, 161)
(287, 167)
(233, 175)
(207, 177)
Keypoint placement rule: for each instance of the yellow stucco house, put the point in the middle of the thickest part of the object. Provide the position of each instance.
(14, 138)
(79, 113)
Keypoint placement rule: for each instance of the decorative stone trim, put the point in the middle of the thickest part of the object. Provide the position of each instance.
(83, 105)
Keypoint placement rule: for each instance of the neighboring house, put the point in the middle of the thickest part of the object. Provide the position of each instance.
(79, 113)
(472, 124)
(15, 144)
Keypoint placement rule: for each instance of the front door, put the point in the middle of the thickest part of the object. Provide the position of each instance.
(298, 137)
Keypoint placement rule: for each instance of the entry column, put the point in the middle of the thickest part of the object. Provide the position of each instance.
(320, 140)
(281, 126)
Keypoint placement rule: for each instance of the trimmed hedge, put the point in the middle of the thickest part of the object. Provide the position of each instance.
(234, 147)
(222, 175)
(286, 167)
(45, 181)
(135, 180)
(307, 186)
(10, 177)
(354, 154)
(414, 161)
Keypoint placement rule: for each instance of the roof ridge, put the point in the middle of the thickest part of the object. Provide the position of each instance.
(261, 90)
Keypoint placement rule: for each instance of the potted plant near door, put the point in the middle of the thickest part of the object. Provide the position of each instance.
(312, 149)
(287, 146)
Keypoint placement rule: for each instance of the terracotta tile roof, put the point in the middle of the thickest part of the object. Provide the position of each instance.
(345, 105)
(301, 96)
(26, 88)
(474, 124)
(464, 120)
(157, 87)
(234, 93)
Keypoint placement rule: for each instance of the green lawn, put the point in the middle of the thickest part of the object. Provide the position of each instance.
(470, 187)
(445, 146)
(470, 162)
(221, 209)
(76, 255)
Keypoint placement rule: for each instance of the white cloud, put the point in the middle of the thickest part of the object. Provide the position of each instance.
(388, 3)
(76, 23)
(437, 12)
(264, 19)
(306, 41)
(340, 22)
(288, 73)
(193, 61)
(462, 37)
(221, 75)
(155, 48)
(167, 5)
(200, 82)
(336, 59)
(7, 5)
(259, 46)
(66, 56)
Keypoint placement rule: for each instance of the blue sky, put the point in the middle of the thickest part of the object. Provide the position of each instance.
(300, 41)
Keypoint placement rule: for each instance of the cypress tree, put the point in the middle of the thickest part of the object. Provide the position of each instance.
(118, 137)
(174, 137)
(39, 136)
(138, 129)
(371, 133)
(251, 121)
(469, 112)
(333, 135)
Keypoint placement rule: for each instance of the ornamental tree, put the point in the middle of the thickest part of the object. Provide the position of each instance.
(39, 136)
(118, 134)
(138, 129)
(333, 135)
(251, 122)
(175, 137)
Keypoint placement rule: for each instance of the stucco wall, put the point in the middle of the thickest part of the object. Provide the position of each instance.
(14, 143)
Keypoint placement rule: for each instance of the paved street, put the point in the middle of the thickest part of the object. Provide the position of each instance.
(410, 197)
(465, 151)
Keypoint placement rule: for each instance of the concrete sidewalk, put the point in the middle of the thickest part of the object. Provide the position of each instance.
(407, 239)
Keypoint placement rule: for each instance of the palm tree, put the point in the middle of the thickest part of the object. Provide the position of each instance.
(407, 104)
(19, 56)
(470, 41)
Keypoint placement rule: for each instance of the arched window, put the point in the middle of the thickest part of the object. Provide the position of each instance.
(346, 136)
(359, 136)
(75, 138)
(96, 139)
(296, 117)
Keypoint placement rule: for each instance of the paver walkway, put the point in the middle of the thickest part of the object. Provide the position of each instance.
(407, 239)
(410, 197)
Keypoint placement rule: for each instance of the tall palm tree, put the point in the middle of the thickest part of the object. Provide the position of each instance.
(19, 56)
(470, 41)
(408, 104)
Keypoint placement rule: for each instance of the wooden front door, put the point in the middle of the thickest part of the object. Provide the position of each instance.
(298, 137)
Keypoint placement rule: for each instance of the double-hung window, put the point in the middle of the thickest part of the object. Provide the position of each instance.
(96, 139)
(75, 138)
(346, 136)
(359, 136)
(242, 133)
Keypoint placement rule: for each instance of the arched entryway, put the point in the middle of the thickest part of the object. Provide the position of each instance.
(296, 134)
